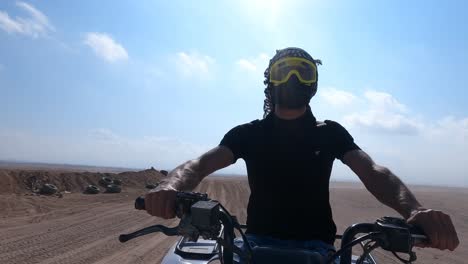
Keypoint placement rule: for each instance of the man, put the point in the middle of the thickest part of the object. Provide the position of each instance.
(289, 157)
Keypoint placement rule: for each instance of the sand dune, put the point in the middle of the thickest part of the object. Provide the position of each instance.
(80, 228)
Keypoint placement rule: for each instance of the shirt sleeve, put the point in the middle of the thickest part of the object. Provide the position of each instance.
(342, 140)
(235, 140)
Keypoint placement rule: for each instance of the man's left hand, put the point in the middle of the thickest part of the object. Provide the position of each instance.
(438, 227)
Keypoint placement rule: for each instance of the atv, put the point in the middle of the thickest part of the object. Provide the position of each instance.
(206, 231)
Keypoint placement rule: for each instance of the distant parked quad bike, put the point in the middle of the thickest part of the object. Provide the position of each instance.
(207, 234)
(92, 189)
(48, 189)
(112, 188)
(104, 181)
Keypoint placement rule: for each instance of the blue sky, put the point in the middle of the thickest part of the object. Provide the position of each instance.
(156, 83)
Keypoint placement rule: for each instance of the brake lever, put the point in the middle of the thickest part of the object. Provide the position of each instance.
(184, 228)
(168, 231)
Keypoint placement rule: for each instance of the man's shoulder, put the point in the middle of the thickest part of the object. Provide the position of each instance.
(336, 131)
(326, 124)
(330, 126)
(252, 124)
(246, 128)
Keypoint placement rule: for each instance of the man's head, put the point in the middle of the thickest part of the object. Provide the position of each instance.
(291, 79)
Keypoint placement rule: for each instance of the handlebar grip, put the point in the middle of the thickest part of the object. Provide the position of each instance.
(140, 203)
(418, 236)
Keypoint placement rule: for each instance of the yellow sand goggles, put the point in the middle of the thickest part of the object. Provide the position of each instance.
(283, 69)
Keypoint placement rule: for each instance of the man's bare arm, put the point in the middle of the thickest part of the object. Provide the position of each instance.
(382, 183)
(391, 191)
(189, 174)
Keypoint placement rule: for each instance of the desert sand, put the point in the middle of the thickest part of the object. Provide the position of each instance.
(79, 228)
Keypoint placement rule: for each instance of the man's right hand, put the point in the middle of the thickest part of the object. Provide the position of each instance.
(161, 202)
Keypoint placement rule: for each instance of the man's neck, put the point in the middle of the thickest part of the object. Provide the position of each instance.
(289, 114)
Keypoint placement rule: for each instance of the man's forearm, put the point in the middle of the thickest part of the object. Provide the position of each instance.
(391, 191)
(185, 177)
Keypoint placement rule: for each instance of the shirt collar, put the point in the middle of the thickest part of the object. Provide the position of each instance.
(307, 117)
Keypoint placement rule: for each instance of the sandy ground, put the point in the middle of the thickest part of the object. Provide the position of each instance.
(82, 228)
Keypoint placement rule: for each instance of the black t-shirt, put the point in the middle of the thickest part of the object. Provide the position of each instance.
(289, 163)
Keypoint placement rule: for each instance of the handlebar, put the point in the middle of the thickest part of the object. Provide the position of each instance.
(390, 233)
(201, 216)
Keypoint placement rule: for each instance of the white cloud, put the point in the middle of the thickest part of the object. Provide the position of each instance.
(449, 128)
(247, 65)
(384, 114)
(101, 147)
(195, 65)
(337, 98)
(255, 65)
(8, 24)
(105, 47)
(384, 122)
(104, 135)
(36, 24)
(437, 155)
(247, 74)
(382, 101)
(419, 150)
